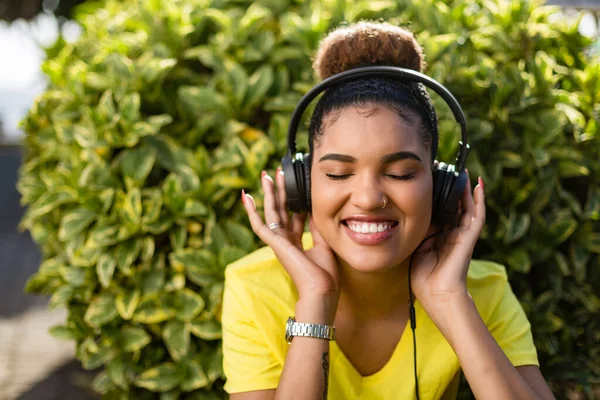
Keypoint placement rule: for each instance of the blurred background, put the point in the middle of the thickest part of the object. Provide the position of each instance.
(34, 365)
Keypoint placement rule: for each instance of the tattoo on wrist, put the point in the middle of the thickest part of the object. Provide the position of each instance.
(325, 360)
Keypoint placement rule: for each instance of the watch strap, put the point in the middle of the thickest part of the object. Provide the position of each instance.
(319, 331)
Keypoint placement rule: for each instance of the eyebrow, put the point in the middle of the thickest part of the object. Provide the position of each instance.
(387, 159)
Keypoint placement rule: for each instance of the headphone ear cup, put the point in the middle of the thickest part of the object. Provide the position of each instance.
(455, 193)
(440, 178)
(293, 183)
(307, 164)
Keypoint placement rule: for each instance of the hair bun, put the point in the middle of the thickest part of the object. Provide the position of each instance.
(364, 44)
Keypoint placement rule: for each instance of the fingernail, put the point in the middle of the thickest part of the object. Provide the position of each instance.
(481, 184)
(266, 176)
(278, 171)
(243, 196)
(251, 199)
(263, 173)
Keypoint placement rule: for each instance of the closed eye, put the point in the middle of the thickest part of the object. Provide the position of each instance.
(338, 177)
(396, 177)
(401, 177)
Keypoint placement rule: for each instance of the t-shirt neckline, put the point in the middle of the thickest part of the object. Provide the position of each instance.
(403, 346)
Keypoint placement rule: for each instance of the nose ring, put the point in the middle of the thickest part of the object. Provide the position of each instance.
(384, 202)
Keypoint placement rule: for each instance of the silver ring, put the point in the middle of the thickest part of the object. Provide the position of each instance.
(275, 225)
(384, 202)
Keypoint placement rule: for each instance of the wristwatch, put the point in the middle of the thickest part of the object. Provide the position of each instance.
(294, 328)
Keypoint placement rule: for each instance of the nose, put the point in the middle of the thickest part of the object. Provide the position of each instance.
(367, 193)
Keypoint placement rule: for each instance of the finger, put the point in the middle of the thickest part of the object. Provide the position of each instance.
(467, 206)
(270, 204)
(298, 223)
(293, 259)
(479, 206)
(281, 197)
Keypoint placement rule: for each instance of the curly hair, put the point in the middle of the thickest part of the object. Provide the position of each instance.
(365, 44)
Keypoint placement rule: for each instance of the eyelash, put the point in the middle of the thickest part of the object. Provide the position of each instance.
(395, 177)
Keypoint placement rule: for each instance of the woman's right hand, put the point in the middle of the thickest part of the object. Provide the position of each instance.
(314, 271)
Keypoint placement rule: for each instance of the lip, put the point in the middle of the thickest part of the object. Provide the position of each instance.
(370, 239)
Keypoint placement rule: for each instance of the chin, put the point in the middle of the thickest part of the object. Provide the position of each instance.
(370, 260)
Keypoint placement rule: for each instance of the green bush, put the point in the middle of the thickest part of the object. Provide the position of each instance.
(163, 110)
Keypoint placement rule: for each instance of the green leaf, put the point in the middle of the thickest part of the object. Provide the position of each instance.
(105, 269)
(258, 155)
(201, 266)
(148, 248)
(207, 330)
(203, 99)
(239, 235)
(104, 233)
(136, 165)
(161, 378)
(152, 311)
(592, 242)
(189, 304)
(568, 169)
(129, 107)
(61, 296)
(189, 178)
(49, 201)
(102, 383)
(177, 339)
(62, 332)
(561, 229)
(75, 222)
(101, 310)
(579, 257)
(519, 260)
(229, 254)
(126, 253)
(131, 207)
(74, 276)
(117, 372)
(517, 227)
(194, 377)
(127, 302)
(178, 237)
(134, 339)
(212, 362)
(152, 205)
(106, 105)
(258, 85)
(192, 208)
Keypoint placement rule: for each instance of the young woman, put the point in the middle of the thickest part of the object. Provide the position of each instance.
(373, 144)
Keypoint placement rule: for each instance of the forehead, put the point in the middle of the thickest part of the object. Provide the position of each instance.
(361, 131)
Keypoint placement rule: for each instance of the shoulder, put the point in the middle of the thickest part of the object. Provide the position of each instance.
(259, 283)
(487, 283)
(261, 269)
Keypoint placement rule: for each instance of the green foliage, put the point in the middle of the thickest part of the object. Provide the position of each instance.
(163, 110)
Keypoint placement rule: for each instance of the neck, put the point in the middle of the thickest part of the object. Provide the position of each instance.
(373, 295)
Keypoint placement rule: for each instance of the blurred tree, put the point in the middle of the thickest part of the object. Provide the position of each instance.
(11, 10)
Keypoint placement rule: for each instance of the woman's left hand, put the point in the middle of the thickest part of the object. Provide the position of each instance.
(440, 266)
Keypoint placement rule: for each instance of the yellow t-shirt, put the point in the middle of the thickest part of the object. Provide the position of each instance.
(259, 297)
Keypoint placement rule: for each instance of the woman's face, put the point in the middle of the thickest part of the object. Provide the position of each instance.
(362, 156)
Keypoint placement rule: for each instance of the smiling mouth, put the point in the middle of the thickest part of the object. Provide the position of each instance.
(370, 227)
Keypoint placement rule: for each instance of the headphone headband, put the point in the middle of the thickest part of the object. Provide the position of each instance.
(387, 72)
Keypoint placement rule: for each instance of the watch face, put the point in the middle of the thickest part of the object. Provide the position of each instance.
(288, 330)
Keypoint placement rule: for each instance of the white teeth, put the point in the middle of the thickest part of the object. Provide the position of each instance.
(363, 227)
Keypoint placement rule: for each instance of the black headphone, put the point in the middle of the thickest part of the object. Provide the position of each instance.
(449, 181)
